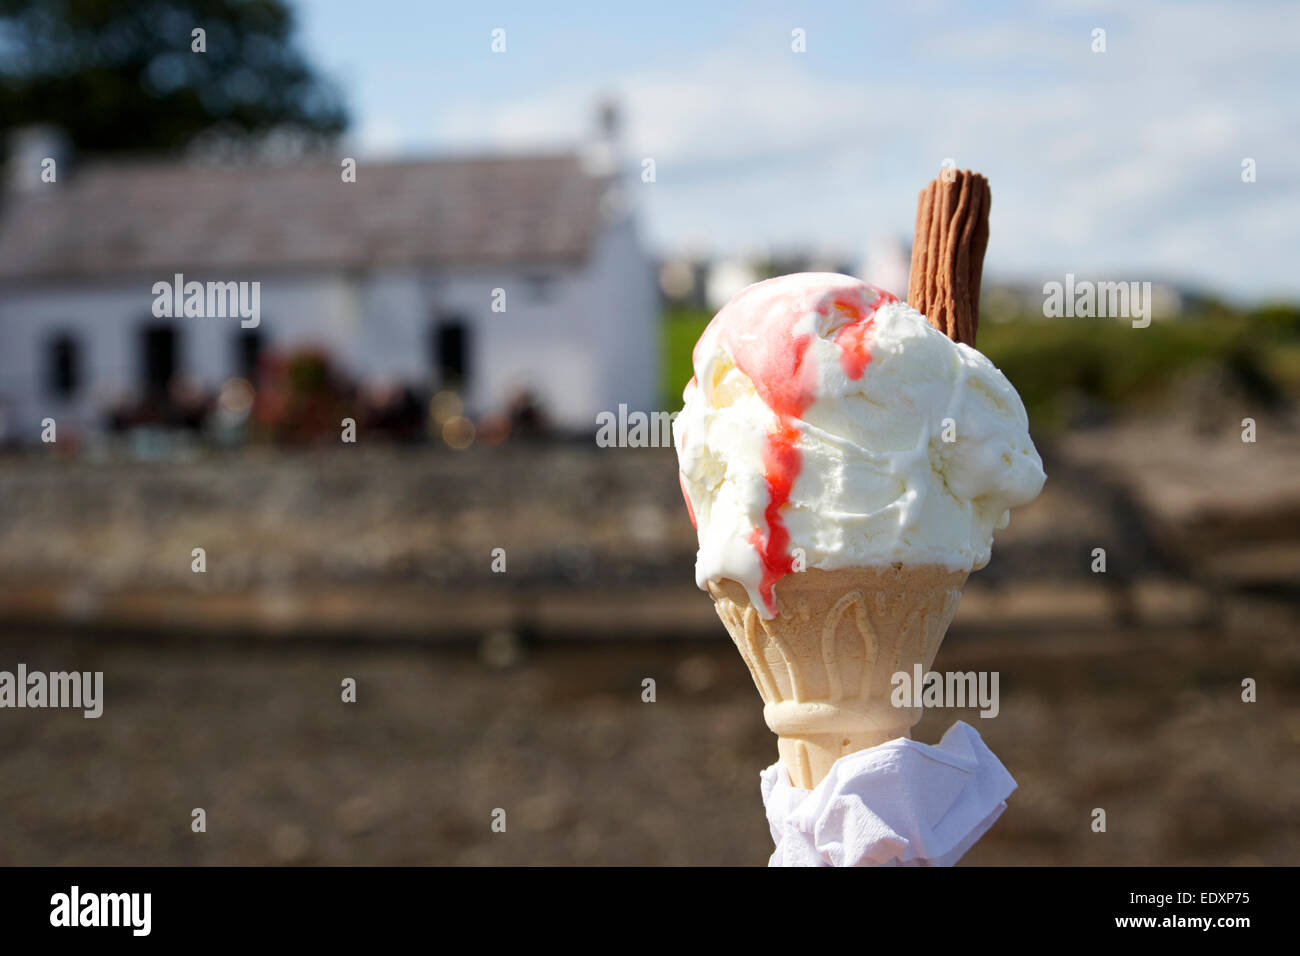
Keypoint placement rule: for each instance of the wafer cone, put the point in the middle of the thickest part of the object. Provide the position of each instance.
(824, 664)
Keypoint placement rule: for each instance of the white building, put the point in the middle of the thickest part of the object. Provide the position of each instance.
(394, 275)
(887, 265)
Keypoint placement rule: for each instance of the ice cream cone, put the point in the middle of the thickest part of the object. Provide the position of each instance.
(824, 664)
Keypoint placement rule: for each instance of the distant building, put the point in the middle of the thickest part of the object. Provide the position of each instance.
(394, 276)
(726, 278)
(887, 265)
(701, 282)
(684, 280)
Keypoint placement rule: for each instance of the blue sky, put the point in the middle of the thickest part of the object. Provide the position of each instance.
(1123, 165)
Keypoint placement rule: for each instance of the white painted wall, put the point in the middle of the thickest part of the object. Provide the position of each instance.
(103, 318)
(589, 344)
(627, 320)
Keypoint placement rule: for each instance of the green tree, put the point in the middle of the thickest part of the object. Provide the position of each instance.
(120, 76)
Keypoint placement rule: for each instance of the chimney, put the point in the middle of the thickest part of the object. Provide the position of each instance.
(600, 156)
(608, 120)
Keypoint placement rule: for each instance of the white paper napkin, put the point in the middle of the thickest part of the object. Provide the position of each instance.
(901, 803)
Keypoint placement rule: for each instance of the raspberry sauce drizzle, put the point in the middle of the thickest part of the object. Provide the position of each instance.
(690, 509)
(760, 330)
(852, 339)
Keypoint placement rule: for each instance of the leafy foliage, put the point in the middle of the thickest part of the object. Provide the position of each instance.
(1107, 361)
(120, 76)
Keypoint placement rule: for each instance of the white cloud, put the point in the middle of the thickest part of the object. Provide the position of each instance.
(1125, 163)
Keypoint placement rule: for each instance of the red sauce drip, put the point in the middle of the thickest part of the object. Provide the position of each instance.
(781, 464)
(687, 498)
(761, 338)
(852, 338)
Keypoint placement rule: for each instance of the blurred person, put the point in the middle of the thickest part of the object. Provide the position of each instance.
(303, 398)
(188, 403)
(526, 415)
(392, 410)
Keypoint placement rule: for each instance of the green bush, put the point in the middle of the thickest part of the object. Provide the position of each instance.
(682, 328)
(1106, 360)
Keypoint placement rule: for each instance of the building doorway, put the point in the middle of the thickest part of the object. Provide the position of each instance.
(158, 357)
(63, 366)
(248, 354)
(450, 347)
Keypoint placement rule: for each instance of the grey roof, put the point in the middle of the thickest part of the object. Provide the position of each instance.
(115, 219)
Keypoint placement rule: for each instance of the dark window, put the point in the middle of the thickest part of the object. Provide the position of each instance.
(248, 353)
(63, 371)
(451, 353)
(159, 357)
